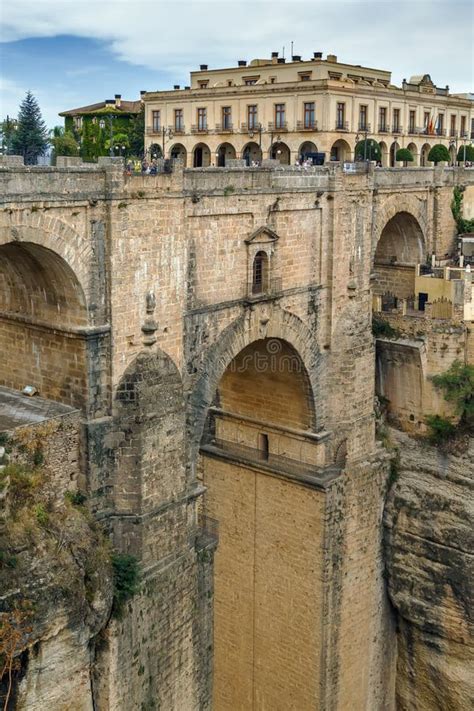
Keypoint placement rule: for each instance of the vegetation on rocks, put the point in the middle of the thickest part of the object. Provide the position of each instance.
(463, 225)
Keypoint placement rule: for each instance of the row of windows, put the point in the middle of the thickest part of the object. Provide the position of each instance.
(309, 109)
(435, 125)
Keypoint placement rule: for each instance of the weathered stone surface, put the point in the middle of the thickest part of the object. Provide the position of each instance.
(429, 543)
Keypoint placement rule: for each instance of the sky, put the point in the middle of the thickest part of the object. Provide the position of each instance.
(71, 53)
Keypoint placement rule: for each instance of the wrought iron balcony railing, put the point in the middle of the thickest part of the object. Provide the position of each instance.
(276, 126)
(342, 125)
(199, 129)
(268, 288)
(306, 125)
(364, 127)
(224, 128)
(178, 129)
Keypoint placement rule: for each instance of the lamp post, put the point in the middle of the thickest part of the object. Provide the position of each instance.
(111, 137)
(166, 133)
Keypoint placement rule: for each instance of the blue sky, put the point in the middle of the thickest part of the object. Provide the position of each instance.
(75, 52)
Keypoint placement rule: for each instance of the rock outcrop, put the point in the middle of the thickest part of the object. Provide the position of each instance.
(429, 545)
(55, 594)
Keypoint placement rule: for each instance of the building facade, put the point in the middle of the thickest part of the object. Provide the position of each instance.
(274, 108)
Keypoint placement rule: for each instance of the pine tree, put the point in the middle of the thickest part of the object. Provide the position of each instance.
(31, 137)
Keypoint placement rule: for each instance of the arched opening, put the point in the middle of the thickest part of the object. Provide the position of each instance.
(259, 437)
(252, 154)
(340, 151)
(155, 151)
(414, 151)
(224, 152)
(260, 273)
(306, 148)
(425, 149)
(43, 314)
(400, 248)
(201, 156)
(393, 154)
(384, 154)
(280, 151)
(178, 152)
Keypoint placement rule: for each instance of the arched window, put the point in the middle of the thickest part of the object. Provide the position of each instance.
(260, 273)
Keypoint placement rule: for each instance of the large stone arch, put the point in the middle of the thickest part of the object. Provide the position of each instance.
(55, 235)
(389, 207)
(261, 322)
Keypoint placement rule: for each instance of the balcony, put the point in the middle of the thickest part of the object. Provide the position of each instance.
(396, 128)
(342, 125)
(413, 130)
(463, 134)
(153, 130)
(277, 127)
(363, 126)
(178, 130)
(311, 474)
(199, 129)
(269, 289)
(383, 128)
(224, 128)
(306, 125)
(453, 133)
(440, 131)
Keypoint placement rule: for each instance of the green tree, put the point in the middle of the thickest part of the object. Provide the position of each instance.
(7, 130)
(137, 134)
(64, 143)
(438, 154)
(30, 140)
(403, 154)
(121, 140)
(457, 384)
(466, 153)
(368, 148)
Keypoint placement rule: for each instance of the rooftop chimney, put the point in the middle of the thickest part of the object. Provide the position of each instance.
(187, 87)
(118, 100)
(203, 67)
(176, 86)
(142, 92)
(318, 55)
(331, 58)
(274, 54)
(281, 60)
(110, 102)
(296, 58)
(242, 63)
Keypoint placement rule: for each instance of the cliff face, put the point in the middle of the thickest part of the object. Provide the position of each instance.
(56, 581)
(429, 544)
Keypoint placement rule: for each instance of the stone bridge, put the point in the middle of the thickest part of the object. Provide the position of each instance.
(213, 326)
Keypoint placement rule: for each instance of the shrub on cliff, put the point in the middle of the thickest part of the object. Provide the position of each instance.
(457, 384)
(126, 580)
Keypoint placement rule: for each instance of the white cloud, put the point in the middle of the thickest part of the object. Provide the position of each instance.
(408, 37)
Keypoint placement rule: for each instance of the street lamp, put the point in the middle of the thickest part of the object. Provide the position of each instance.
(166, 133)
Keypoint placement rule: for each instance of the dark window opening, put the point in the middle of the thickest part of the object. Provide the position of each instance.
(263, 445)
(259, 273)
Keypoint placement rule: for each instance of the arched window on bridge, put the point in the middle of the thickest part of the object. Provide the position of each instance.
(260, 273)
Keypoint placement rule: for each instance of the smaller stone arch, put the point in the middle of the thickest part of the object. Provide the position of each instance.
(178, 152)
(201, 156)
(401, 241)
(225, 152)
(340, 151)
(280, 151)
(384, 153)
(393, 154)
(252, 153)
(413, 148)
(425, 149)
(149, 416)
(305, 148)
